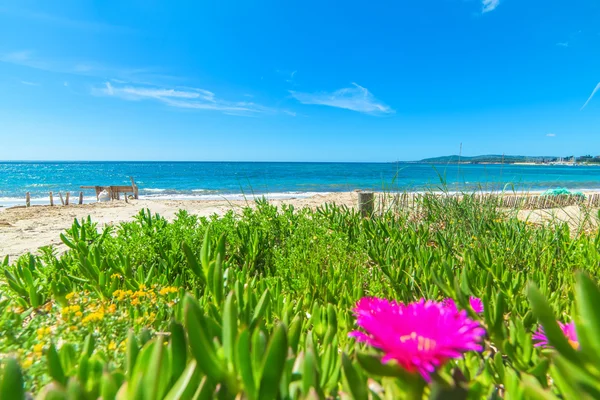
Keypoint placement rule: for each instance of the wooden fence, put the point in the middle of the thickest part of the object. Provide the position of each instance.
(525, 202)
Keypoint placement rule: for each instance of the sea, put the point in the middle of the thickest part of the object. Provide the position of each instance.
(277, 180)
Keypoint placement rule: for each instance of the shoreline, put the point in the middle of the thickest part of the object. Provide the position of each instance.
(7, 203)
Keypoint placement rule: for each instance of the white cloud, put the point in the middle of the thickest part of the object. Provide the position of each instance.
(190, 98)
(355, 98)
(489, 5)
(591, 96)
(62, 21)
(30, 83)
(16, 57)
(28, 59)
(551, 134)
(563, 44)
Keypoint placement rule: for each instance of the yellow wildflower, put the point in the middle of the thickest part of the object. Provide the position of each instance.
(135, 302)
(93, 317)
(142, 287)
(79, 314)
(115, 276)
(112, 346)
(70, 295)
(119, 295)
(28, 362)
(42, 332)
(38, 348)
(166, 290)
(112, 308)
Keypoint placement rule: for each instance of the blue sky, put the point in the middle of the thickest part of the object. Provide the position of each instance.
(298, 81)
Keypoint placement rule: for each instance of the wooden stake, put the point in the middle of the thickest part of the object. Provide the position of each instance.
(67, 198)
(27, 200)
(61, 198)
(80, 198)
(51, 199)
(135, 188)
(366, 202)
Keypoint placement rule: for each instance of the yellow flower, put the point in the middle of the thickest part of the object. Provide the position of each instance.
(79, 314)
(119, 295)
(135, 302)
(112, 346)
(166, 290)
(93, 317)
(112, 308)
(142, 287)
(38, 348)
(42, 332)
(115, 276)
(28, 362)
(48, 307)
(70, 295)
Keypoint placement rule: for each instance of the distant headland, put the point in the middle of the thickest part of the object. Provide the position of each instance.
(518, 160)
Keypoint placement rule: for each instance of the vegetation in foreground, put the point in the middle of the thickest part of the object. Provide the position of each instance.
(455, 301)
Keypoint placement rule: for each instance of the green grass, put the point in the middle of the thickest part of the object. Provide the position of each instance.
(259, 304)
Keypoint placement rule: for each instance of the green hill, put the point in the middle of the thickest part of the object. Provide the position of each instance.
(490, 158)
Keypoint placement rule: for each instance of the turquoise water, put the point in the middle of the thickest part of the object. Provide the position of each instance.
(232, 180)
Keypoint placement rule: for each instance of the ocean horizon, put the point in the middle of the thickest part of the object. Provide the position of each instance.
(212, 180)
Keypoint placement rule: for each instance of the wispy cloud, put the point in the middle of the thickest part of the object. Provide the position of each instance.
(28, 83)
(63, 21)
(28, 58)
(291, 80)
(135, 84)
(16, 56)
(489, 5)
(551, 134)
(591, 96)
(571, 40)
(189, 98)
(355, 98)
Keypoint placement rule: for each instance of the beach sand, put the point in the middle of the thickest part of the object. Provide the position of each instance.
(24, 230)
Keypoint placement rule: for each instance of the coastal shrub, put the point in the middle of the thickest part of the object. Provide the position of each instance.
(451, 299)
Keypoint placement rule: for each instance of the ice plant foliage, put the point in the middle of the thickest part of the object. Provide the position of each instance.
(475, 303)
(420, 336)
(568, 330)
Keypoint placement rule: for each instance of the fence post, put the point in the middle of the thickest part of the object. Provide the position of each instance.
(51, 199)
(27, 200)
(366, 202)
(67, 198)
(135, 188)
(62, 201)
(80, 197)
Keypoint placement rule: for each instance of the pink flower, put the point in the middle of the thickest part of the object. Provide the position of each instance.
(420, 336)
(568, 330)
(475, 303)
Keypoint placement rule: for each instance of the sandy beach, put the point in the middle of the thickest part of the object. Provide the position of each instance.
(25, 230)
